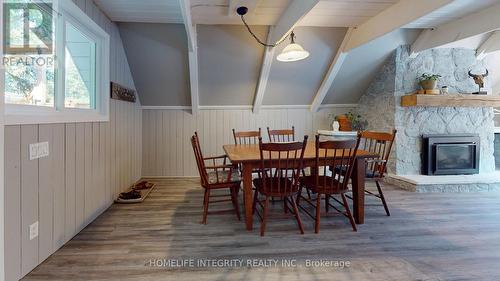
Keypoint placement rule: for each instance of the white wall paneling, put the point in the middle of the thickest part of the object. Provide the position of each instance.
(167, 148)
(3, 190)
(72, 186)
(88, 165)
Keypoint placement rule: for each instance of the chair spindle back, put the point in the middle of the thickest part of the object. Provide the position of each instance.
(285, 135)
(281, 164)
(246, 137)
(200, 163)
(340, 154)
(381, 144)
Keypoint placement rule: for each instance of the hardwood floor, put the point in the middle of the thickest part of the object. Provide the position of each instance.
(438, 236)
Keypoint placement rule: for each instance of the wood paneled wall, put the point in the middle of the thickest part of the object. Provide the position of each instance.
(88, 165)
(167, 148)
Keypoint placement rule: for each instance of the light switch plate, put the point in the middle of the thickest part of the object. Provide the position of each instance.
(33, 151)
(43, 149)
(38, 150)
(34, 230)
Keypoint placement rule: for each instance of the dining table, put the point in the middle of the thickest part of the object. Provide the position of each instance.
(247, 156)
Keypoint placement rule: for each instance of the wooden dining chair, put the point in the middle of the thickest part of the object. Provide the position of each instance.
(379, 143)
(342, 153)
(282, 181)
(284, 135)
(219, 175)
(246, 137)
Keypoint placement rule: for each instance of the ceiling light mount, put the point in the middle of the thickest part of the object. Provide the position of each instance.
(242, 10)
(292, 52)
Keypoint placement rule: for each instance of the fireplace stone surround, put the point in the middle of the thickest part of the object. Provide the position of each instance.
(380, 105)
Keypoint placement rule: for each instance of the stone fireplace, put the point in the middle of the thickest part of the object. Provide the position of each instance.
(380, 105)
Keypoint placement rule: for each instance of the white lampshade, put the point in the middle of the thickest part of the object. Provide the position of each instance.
(292, 52)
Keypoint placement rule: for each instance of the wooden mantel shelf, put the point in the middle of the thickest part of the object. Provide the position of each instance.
(451, 100)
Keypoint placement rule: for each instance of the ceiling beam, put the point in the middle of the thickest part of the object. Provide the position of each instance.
(295, 11)
(231, 9)
(192, 54)
(193, 80)
(188, 23)
(392, 18)
(492, 44)
(265, 69)
(332, 72)
(481, 22)
(232, 5)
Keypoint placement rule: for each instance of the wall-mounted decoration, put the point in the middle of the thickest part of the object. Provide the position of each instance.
(119, 92)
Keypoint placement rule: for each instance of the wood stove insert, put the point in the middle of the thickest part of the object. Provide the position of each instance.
(451, 154)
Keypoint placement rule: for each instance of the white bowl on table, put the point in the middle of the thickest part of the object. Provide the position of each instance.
(337, 135)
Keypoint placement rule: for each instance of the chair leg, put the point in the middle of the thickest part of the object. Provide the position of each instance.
(297, 216)
(299, 194)
(381, 194)
(206, 201)
(234, 199)
(318, 213)
(255, 199)
(308, 194)
(348, 212)
(264, 217)
(327, 202)
(285, 205)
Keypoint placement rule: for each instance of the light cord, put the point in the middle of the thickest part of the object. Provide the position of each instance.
(260, 41)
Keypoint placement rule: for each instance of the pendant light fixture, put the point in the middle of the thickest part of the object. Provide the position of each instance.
(292, 52)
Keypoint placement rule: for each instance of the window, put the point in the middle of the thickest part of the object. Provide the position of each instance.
(56, 64)
(29, 60)
(80, 70)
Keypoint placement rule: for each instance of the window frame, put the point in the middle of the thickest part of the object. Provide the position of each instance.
(69, 12)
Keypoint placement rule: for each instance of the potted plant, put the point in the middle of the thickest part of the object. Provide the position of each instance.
(357, 123)
(351, 122)
(428, 81)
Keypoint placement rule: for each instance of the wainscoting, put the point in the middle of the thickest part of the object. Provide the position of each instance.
(88, 165)
(167, 148)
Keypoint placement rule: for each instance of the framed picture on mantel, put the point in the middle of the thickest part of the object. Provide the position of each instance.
(119, 92)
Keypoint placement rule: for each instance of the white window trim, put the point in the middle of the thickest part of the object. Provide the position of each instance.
(16, 114)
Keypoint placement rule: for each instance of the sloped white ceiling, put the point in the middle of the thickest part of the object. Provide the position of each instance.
(297, 82)
(362, 64)
(158, 59)
(230, 59)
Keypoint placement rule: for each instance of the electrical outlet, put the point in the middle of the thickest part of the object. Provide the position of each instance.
(34, 230)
